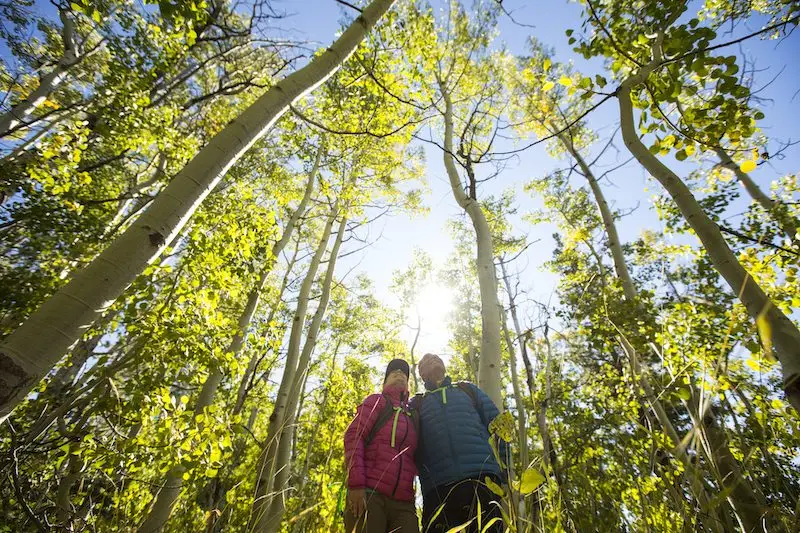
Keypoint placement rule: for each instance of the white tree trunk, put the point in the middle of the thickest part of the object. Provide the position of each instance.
(612, 237)
(171, 488)
(268, 519)
(784, 335)
(629, 290)
(770, 206)
(21, 113)
(489, 367)
(32, 350)
(265, 474)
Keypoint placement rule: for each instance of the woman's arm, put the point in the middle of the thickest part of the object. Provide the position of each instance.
(354, 436)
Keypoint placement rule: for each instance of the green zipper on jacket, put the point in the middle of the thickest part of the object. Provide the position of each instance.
(397, 411)
(444, 393)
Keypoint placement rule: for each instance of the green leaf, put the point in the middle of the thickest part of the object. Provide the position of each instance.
(531, 479)
(494, 487)
(461, 527)
(503, 426)
(215, 454)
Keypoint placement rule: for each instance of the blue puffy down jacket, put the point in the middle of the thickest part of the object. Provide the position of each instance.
(454, 436)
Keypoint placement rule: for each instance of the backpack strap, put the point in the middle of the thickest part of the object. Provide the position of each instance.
(467, 388)
(415, 405)
(383, 417)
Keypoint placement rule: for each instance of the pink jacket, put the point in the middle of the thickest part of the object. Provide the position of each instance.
(387, 469)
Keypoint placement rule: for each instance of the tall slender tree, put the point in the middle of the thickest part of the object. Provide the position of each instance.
(35, 347)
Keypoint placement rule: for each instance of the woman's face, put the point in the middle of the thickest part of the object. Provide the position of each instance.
(397, 378)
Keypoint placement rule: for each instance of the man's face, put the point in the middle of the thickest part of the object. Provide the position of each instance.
(431, 368)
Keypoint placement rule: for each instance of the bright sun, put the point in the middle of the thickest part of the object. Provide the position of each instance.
(434, 303)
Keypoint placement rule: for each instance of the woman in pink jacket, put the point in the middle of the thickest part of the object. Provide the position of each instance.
(379, 448)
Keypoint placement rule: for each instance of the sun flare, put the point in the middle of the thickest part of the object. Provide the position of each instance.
(433, 303)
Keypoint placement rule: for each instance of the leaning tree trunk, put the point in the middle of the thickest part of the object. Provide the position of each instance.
(268, 519)
(629, 290)
(773, 208)
(265, 474)
(171, 488)
(779, 331)
(32, 350)
(22, 112)
(612, 237)
(489, 367)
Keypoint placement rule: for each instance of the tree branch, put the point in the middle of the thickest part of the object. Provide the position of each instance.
(348, 4)
(747, 238)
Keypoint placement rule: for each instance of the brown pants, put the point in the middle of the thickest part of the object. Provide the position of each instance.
(383, 515)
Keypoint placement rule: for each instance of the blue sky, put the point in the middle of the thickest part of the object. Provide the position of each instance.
(629, 188)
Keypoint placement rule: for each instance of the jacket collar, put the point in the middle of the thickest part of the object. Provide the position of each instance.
(430, 386)
(397, 394)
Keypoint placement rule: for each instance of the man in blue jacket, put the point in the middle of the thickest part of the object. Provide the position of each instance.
(454, 456)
